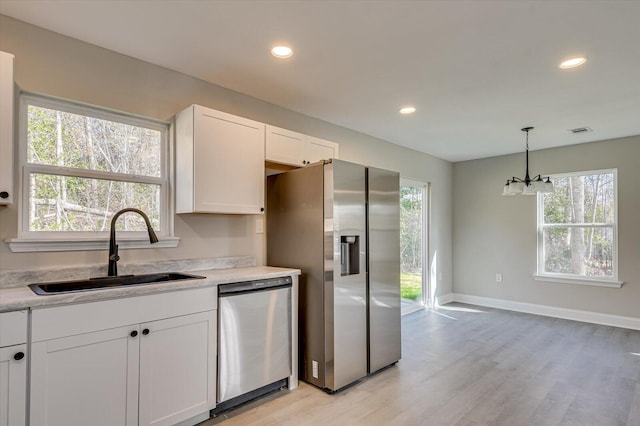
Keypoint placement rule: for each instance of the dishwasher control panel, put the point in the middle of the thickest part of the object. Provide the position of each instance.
(250, 286)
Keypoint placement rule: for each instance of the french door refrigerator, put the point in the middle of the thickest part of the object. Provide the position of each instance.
(338, 222)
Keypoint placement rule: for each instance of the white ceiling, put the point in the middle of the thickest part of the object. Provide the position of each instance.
(477, 71)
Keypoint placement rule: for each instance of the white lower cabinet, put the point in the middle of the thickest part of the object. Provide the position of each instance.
(89, 379)
(175, 368)
(159, 372)
(13, 385)
(13, 368)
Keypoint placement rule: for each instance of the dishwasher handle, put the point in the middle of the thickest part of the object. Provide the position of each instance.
(233, 289)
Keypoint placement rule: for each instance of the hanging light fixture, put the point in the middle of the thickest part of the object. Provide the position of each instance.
(527, 186)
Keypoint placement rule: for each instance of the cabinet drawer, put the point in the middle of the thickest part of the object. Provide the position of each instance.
(13, 328)
(61, 321)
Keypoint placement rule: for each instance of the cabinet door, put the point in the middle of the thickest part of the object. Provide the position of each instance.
(228, 155)
(320, 149)
(6, 128)
(177, 368)
(13, 385)
(285, 147)
(87, 379)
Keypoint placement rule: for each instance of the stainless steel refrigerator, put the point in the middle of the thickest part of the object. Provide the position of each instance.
(338, 222)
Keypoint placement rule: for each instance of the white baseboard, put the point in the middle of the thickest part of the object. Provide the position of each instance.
(444, 299)
(545, 310)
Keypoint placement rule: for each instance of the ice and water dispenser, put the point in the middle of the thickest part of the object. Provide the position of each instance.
(349, 255)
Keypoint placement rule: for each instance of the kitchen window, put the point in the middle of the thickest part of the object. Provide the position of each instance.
(81, 164)
(578, 229)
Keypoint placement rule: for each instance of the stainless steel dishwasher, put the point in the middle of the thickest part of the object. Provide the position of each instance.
(254, 339)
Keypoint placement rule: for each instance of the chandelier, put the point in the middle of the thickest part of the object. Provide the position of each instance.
(527, 186)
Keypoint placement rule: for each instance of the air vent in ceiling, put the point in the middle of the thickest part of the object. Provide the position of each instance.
(581, 130)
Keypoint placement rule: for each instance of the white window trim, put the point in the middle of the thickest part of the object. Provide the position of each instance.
(571, 278)
(39, 241)
(583, 281)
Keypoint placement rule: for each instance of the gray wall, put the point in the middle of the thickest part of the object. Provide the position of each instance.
(495, 234)
(56, 65)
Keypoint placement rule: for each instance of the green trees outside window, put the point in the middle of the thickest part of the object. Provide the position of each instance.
(411, 242)
(83, 165)
(577, 225)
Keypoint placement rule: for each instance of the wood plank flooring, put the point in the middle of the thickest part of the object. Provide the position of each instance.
(468, 365)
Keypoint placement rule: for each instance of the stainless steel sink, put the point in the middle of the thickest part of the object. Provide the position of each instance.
(76, 286)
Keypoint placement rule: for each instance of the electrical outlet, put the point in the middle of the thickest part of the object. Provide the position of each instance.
(498, 278)
(259, 225)
(314, 367)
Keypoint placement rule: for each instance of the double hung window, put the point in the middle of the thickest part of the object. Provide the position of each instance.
(82, 164)
(577, 227)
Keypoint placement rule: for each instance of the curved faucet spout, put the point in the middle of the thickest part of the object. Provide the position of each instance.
(113, 247)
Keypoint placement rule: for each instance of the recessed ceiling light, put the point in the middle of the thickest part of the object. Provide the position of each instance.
(282, 51)
(407, 110)
(581, 130)
(573, 62)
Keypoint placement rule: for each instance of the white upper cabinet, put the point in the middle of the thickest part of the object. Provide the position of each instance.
(287, 147)
(320, 149)
(6, 128)
(219, 163)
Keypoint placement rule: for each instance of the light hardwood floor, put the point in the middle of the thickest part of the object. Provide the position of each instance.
(469, 365)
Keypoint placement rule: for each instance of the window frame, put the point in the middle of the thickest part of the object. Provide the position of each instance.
(83, 240)
(541, 274)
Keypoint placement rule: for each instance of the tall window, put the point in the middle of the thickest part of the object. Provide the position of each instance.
(82, 164)
(577, 227)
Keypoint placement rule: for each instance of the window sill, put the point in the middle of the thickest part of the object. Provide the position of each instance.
(580, 281)
(21, 245)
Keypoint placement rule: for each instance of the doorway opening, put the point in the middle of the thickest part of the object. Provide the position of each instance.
(414, 249)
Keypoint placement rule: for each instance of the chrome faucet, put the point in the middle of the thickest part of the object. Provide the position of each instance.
(113, 247)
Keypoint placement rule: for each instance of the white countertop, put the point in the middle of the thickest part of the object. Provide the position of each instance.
(21, 297)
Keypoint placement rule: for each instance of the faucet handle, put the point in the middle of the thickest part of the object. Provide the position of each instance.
(114, 257)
